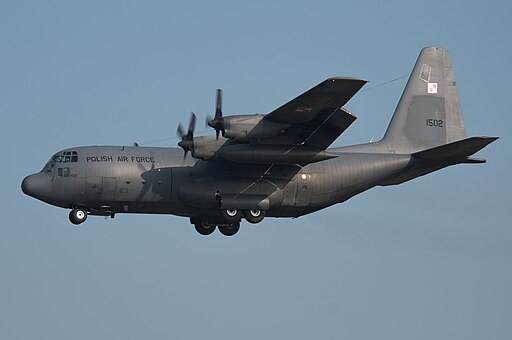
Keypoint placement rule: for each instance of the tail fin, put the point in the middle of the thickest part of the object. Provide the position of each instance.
(428, 114)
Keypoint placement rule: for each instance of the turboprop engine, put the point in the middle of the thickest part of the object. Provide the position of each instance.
(250, 127)
(242, 128)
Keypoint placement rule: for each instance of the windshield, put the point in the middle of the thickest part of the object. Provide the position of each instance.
(61, 157)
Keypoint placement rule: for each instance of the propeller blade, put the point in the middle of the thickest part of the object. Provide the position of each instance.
(218, 104)
(216, 122)
(207, 120)
(180, 132)
(187, 138)
(192, 124)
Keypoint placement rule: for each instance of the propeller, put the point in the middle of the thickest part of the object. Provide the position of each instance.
(187, 138)
(217, 122)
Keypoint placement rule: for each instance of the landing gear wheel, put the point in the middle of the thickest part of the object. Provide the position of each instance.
(77, 216)
(231, 215)
(204, 228)
(230, 229)
(254, 215)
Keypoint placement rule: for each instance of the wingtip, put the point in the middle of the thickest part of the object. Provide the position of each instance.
(474, 160)
(490, 139)
(334, 79)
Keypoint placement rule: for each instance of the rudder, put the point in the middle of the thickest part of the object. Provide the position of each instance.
(428, 114)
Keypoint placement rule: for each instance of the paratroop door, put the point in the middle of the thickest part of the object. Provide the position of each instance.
(303, 197)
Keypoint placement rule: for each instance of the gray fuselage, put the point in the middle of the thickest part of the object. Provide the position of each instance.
(116, 179)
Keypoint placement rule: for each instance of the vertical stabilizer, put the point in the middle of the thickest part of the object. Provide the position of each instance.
(428, 114)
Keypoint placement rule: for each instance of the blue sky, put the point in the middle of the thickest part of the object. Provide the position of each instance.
(430, 259)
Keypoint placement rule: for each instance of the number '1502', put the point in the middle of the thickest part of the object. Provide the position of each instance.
(434, 122)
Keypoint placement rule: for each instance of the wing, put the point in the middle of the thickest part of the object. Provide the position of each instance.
(328, 95)
(316, 118)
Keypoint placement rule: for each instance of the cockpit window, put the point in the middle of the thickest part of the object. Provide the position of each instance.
(65, 157)
(61, 157)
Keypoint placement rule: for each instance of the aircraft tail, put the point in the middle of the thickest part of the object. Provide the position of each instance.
(427, 123)
(428, 114)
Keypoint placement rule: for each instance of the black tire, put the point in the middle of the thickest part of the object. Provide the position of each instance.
(204, 228)
(254, 215)
(231, 215)
(230, 229)
(77, 216)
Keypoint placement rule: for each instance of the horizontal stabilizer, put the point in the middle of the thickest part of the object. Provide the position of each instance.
(430, 160)
(457, 150)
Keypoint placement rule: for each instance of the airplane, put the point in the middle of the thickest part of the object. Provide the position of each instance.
(268, 165)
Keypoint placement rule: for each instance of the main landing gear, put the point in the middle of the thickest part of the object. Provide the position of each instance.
(231, 215)
(229, 229)
(205, 227)
(229, 222)
(254, 216)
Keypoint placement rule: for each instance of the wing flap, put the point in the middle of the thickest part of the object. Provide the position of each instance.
(330, 129)
(319, 133)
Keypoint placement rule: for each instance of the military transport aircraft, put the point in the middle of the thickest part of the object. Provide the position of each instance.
(273, 165)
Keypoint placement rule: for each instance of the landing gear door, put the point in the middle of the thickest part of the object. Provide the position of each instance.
(290, 193)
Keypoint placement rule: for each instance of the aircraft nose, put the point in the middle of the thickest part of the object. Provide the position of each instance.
(37, 185)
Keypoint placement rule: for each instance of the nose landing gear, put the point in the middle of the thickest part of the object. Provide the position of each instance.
(77, 216)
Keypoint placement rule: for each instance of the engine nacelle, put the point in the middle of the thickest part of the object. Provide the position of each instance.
(205, 147)
(250, 127)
